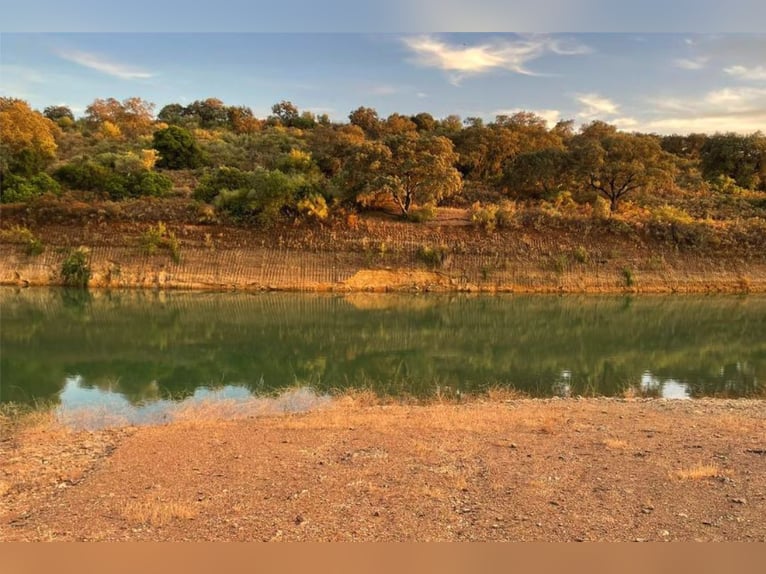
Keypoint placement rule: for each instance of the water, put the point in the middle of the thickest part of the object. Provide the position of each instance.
(146, 350)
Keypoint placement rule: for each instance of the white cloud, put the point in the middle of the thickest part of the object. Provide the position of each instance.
(690, 64)
(100, 64)
(462, 60)
(596, 105)
(758, 73)
(736, 99)
(625, 123)
(739, 109)
(551, 117)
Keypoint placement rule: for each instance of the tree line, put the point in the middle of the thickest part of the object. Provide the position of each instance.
(297, 163)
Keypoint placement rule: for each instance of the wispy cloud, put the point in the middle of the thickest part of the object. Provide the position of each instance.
(383, 90)
(103, 65)
(596, 105)
(691, 64)
(757, 73)
(464, 60)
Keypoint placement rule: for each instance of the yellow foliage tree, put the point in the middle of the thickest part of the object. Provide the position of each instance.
(27, 138)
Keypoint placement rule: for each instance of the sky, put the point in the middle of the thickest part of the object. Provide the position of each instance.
(662, 82)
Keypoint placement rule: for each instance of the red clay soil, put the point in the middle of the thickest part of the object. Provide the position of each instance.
(511, 470)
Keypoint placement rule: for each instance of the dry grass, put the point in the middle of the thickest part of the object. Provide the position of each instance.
(615, 444)
(156, 512)
(16, 418)
(698, 472)
(503, 394)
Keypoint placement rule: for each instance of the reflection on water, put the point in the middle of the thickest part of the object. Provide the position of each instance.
(89, 408)
(153, 349)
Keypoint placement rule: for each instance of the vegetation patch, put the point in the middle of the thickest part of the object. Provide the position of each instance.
(159, 237)
(75, 269)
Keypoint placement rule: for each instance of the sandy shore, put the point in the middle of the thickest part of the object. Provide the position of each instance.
(551, 470)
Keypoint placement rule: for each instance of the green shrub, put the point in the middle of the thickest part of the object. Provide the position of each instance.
(118, 175)
(426, 212)
(484, 216)
(627, 275)
(23, 236)
(262, 194)
(506, 214)
(17, 189)
(314, 207)
(220, 179)
(177, 148)
(75, 270)
(432, 256)
(581, 254)
(159, 237)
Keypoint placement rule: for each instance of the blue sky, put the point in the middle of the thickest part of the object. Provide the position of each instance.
(664, 83)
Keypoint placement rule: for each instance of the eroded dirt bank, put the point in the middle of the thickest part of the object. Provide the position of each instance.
(379, 255)
(595, 469)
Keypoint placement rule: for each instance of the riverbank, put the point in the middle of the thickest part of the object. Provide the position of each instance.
(491, 469)
(375, 253)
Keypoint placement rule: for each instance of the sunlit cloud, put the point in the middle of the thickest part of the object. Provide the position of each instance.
(625, 123)
(464, 60)
(690, 64)
(100, 64)
(596, 105)
(757, 73)
(739, 109)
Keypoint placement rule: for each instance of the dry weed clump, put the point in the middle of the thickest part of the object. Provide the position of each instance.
(698, 472)
(615, 444)
(156, 512)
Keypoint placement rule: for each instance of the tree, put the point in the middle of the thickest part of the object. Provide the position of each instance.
(424, 121)
(61, 115)
(286, 112)
(177, 148)
(615, 164)
(27, 138)
(208, 114)
(133, 117)
(172, 114)
(398, 124)
(540, 174)
(242, 120)
(742, 158)
(407, 167)
(367, 119)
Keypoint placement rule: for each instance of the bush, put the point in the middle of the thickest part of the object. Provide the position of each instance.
(75, 270)
(314, 206)
(485, 216)
(432, 256)
(23, 236)
(159, 237)
(220, 179)
(491, 216)
(263, 194)
(177, 148)
(17, 189)
(118, 175)
(423, 213)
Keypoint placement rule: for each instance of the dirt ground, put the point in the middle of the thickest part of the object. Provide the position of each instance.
(490, 469)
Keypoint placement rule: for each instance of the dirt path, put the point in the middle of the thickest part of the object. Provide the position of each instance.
(556, 470)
